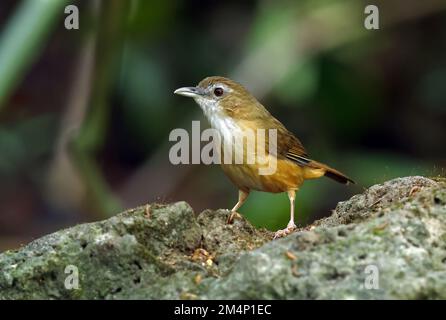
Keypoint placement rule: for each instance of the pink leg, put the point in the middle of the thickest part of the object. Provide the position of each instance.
(291, 225)
(242, 196)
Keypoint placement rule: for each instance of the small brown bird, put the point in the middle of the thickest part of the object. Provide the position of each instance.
(233, 111)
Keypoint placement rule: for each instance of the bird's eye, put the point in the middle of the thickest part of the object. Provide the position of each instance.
(218, 92)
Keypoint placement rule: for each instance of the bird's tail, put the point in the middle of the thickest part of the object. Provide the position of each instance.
(331, 173)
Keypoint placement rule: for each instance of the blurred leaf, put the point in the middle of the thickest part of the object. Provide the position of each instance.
(272, 21)
(23, 144)
(12, 151)
(149, 18)
(300, 83)
(348, 101)
(23, 39)
(145, 94)
(431, 89)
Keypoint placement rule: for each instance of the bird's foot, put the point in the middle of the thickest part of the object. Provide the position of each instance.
(232, 216)
(284, 232)
(147, 212)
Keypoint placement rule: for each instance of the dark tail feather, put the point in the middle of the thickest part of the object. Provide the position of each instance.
(332, 173)
(338, 176)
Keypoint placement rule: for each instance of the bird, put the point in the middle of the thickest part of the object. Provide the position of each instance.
(233, 111)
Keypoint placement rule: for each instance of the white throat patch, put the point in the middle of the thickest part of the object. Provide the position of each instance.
(225, 125)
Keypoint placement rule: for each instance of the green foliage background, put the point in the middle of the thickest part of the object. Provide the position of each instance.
(85, 114)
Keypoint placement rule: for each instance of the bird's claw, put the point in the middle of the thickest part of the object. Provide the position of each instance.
(232, 216)
(284, 232)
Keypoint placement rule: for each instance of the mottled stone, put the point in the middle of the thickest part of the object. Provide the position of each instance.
(397, 229)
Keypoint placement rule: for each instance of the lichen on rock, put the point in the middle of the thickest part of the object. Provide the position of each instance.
(395, 231)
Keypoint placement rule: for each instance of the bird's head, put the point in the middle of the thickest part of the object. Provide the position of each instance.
(219, 96)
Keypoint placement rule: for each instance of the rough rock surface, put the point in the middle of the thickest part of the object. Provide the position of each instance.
(388, 242)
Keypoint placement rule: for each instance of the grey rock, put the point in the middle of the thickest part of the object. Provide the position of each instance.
(388, 243)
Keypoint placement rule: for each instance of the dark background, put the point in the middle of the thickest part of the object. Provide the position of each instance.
(85, 114)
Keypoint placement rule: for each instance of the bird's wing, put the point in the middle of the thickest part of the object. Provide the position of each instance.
(292, 149)
(288, 146)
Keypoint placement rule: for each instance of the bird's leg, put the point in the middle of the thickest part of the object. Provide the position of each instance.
(292, 197)
(291, 226)
(242, 196)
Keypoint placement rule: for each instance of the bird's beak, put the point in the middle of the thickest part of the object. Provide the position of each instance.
(190, 92)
